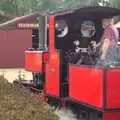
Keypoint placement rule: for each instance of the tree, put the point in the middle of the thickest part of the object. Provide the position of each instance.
(7, 6)
(22, 7)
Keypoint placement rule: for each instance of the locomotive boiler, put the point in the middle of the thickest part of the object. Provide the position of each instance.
(63, 62)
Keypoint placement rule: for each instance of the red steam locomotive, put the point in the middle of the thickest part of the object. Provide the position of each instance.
(63, 62)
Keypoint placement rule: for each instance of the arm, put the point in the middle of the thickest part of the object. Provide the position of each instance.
(106, 41)
(105, 48)
(94, 44)
(98, 44)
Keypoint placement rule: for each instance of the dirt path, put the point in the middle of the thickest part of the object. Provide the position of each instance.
(15, 73)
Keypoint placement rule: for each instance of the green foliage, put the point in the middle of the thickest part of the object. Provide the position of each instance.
(7, 5)
(18, 103)
(21, 7)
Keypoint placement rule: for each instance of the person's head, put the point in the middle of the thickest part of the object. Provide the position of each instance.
(106, 22)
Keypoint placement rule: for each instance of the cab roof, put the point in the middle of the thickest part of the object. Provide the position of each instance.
(92, 10)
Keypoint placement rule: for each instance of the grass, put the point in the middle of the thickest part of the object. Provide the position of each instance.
(17, 103)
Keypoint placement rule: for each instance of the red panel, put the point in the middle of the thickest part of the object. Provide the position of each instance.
(52, 85)
(51, 33)
(45, 57)
(111, 116)
(53, 75)
(113, 88)
(33, 61)
(86, 85)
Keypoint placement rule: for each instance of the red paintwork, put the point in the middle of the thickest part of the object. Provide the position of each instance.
(113, 88)
(45, 57)
(53, 75)
(33, 61)
(111, 116)
(86, 85)
(51, 33)
(52, 83)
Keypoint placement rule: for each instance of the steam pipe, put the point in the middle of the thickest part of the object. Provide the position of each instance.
(42, 32)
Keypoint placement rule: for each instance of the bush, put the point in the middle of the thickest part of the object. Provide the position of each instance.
(17, 103)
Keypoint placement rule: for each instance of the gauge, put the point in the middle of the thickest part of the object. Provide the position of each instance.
(88, 29)
(62, 28)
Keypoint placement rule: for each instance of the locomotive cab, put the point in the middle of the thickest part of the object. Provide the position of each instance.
(70, 71)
